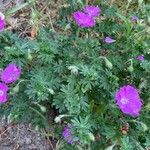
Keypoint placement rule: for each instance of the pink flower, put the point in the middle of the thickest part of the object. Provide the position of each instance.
(128, 100)
(2, 22)
(140, 57)
(11, 73)
(109, 40)
(93, 11)
(3, 92)
(83, 19)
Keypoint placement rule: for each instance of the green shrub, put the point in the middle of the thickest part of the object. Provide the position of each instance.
(78, 74)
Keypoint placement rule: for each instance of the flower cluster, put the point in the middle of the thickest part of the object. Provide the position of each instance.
(128, 100)
(86, 18)
(10, 74)
(2, 22)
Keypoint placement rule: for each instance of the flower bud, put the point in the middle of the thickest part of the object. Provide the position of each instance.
(10, 118)
(58, 118)
(43, 108)
(91, 136)
(130, 68)
(37, 128)
(15, 89)
(108, 63)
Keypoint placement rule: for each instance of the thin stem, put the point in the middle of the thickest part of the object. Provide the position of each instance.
(87, 1)
(111, 2)
(37, 112)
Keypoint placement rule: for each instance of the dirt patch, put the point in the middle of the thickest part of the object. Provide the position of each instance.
(22, 137)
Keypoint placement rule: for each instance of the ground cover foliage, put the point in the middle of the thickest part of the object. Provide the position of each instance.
(74, 71)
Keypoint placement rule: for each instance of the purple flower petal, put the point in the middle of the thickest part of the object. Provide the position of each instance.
(135, 18)
(83, 19)
(2, 24)
(3, 92)
(140, 57)
(109, 40)
(93, 11)
(11, 73)
(128, 100)
(2, 21)
(68, 135)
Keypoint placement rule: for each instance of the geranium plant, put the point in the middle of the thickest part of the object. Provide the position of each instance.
(95, 75)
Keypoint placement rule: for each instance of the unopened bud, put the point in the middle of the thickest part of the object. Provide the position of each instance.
(91, 136)
(108, 63)
(10, 118)
(58, 119)
(130, 68)
(37, 128)
(43, 108)
(15, 89)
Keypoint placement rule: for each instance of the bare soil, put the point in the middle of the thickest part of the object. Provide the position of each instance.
(22, 137)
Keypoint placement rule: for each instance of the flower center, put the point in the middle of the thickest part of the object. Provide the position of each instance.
(124, 101)
(1, 92)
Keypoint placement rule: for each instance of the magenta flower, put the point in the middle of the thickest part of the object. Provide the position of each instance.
(140, 57)
(93, 11)
(68, 135)
(11, 73)
(128, 100)
(83, 19)
(135, 18)
(2, 22)
(109, 40)
(3, 92)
